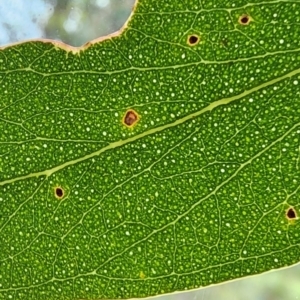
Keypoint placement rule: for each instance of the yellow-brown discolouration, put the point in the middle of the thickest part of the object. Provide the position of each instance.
(142, 275)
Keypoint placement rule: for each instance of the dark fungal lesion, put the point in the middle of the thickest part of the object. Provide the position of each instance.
(244, 19)
(130, 118)
(59, 192)
(291, 213)
(193, 39)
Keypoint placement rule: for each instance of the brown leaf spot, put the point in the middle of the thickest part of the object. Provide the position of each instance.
(59, 192)
(130, 118)
(291, 213)
(244, 19)
(193, 40)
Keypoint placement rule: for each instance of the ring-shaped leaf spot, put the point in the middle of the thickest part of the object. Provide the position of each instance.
(59, 192)
(291, 213)
(130, 118)
(244, 19)
(193, 39)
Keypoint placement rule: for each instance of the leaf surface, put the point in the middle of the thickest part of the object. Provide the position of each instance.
(161, 159)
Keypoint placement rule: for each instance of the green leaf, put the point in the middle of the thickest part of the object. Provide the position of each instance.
(161, 159)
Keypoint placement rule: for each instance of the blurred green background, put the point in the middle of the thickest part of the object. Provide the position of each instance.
(76, 22)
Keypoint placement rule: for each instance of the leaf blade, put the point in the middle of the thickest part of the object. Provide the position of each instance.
(194, 194)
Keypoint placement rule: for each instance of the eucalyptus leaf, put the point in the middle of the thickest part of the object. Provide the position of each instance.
(159, 159)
